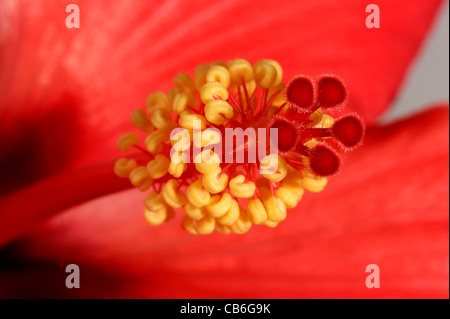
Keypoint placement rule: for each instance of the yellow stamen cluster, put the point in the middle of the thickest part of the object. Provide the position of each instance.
(212, 197)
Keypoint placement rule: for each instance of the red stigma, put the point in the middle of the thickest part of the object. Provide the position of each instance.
(324, 161)
(301, 92)
(287, 135)
(349, 131)
(332, 91)
(299, 123)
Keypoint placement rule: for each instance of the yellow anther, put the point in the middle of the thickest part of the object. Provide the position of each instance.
(196, 195)
(280, 99)
(240, 189)
(279, 69)
(212, 90)
(157, 211)
(293, 176)
(251, 87)
(273, 167)
(140, 178)
(141, 121)
(154, 202)
(231, 216)
(173, 197)
(316, 117)
(177, 168)
(238, 68)
(204, 226)
(223, 229)
(156, 100)
(268, 73)
(293, 187)
(214, 183)
(127, 140)
(218, 73)
(162, 120)
(187, 225)
(187, 120)
(256, 211)
(124, 166)
(243, 224)
(271, 224)
(200, 75)
(154, 141)
(185, 83)
(155, 217)
(207, 137)
(313, 183)
(218, 63)
(180, 139)
(275, 208)
(265, 75)
(309, 144)
(179, 156)
(182, 101)
(290, 194)
(326, 121)
(194, 212)
(158, 167)
(219, 205)
(207, 161)
(171, 93)
(218, 112)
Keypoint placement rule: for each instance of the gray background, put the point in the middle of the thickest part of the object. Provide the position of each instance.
(427, 81)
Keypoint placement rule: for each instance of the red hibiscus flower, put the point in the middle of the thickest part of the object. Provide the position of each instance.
(66, 96)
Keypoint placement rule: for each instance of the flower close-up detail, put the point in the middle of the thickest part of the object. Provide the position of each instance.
(130, 129)
(201, 115)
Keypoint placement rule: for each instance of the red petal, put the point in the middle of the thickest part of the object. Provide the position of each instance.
(389, 206)
(20, 211)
